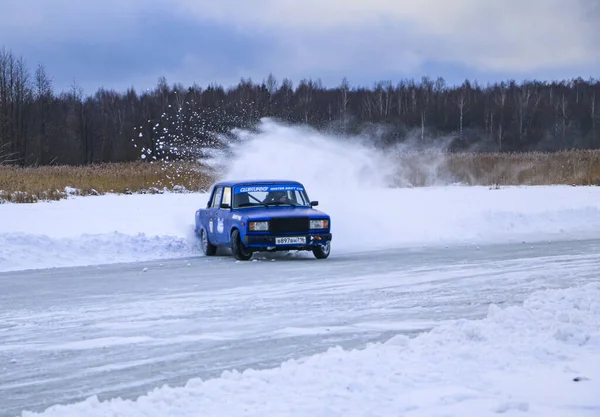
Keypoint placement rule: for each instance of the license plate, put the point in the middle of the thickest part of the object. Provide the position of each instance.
(290, 240)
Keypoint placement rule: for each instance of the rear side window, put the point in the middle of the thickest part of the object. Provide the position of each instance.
(211, 199)
(227, 195)
(217, 197)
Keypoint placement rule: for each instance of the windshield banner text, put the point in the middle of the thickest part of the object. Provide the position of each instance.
(267, 188)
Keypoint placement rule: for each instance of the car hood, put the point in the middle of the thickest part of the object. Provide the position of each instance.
(286, 211)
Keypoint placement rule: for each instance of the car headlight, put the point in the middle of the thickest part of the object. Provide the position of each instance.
(319, 224)
(258, 226)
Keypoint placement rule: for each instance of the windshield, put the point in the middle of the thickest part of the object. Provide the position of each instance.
(269, 195)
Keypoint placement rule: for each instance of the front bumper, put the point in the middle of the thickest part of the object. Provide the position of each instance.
(268, 242)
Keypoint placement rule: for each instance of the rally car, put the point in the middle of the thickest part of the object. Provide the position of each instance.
(261, 216)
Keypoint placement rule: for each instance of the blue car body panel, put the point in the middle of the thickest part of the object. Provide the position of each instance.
(224, 213)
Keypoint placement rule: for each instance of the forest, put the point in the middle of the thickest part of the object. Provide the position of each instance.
(39, 126)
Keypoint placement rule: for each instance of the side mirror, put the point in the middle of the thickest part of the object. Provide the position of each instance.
(225, 206)
(314, 203)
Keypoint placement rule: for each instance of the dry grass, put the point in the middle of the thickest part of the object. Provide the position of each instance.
(26, 185)
(580, 167)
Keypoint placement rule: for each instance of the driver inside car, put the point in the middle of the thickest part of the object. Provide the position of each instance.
(278, 197)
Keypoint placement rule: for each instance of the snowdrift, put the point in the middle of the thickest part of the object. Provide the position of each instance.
(122, 228)
(539, 359)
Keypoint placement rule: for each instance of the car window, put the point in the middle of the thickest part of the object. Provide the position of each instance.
(300, 199)
(258, 195)
(217, 197)
(211, 199)
(227, 195)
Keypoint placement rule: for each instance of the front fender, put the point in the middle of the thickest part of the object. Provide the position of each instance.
(238, 222)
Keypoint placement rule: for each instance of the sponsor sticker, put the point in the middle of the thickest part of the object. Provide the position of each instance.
(252, 189)
(269, 188)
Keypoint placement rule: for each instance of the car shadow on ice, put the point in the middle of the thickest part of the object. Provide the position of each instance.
(227, 254)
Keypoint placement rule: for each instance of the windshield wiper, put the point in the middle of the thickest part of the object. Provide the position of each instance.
(279, 203)
(257, 200)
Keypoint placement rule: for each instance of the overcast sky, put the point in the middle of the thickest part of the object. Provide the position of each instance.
(123, 43)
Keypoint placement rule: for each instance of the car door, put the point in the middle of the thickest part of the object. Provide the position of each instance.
(212, 214)
(223, 217)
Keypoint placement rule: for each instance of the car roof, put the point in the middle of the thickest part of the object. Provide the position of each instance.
(232, 183)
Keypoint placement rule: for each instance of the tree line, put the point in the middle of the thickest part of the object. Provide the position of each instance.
(40, 127)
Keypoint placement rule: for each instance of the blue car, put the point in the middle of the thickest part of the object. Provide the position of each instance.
(262, 216)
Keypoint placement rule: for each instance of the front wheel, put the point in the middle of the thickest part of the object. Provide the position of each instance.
(322, 251)
(237, 247)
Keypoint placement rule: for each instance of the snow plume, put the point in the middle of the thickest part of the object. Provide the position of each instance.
(270, 148)
(187, 132)
(323, 160)
(374, 156)
(183, 133)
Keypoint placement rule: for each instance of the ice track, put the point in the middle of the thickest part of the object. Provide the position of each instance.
(125, 329)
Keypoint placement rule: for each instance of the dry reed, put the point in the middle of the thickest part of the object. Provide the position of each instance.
(25, 185)
(572, 167)
(576, 167)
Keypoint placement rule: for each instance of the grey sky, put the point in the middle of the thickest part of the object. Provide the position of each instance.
(121, 43)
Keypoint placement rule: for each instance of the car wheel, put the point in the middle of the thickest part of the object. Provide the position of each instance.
(322, 251)
(237, 247)
(208, 248)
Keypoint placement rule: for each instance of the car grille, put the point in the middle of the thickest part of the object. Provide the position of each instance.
(290, 225)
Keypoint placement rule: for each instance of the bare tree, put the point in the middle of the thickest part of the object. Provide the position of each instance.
(595, 116)
(43, 97)
(272, 86)
(526, 103)
(344, 101)
(500, 99)
(563, 112)
(305, 92)
(461, 102)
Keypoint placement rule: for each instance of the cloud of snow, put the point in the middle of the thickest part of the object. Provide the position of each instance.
(327, 162)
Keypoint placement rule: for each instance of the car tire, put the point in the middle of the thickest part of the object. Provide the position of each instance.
(237, 247)
(208, 248)
(322, 251)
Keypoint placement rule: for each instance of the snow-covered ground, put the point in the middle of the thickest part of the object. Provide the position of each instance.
(123, 228)
(541, 358)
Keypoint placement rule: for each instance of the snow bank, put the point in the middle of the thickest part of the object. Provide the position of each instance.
(111, 228)
(539, 359)
(26, 251)
(98, 229)
(464, 215)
